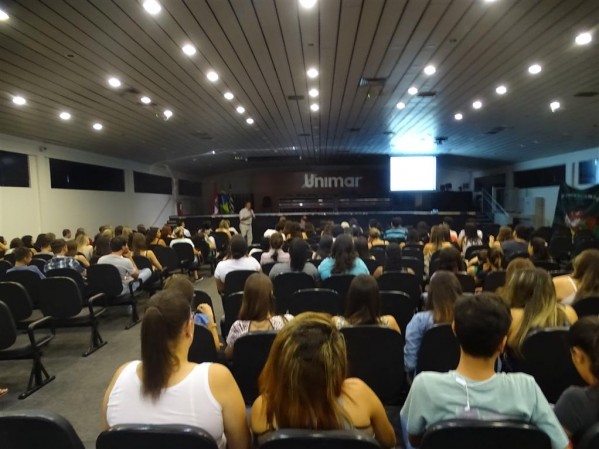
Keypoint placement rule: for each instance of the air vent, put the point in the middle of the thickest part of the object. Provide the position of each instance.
(131, 90)
(496, 130)
(202, 135)
(295, 97)
(439, 140)
(426, 94)
(586, 94)
(372, 82)
(353, 130)
(304, 135)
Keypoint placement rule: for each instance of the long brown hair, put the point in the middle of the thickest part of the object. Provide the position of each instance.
(443, 291)
(258, 300)
(343, 254)
(584, 334)
(167, 312)
(363, 301)
(303, 377)
(276, 242)
(586, 271)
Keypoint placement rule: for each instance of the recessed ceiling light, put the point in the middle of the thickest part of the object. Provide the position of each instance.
(489, 1)
(314, 107)
(412, 90)
(477, 104)
(229, 96)
(3, 16)
(167, 114)
(430, 70)
(584, 39)
(554, 105)
(152, 7)
(213, 152)
(312, 72)
(114, 82)
(65, 116)
(189, 49)
(400, 105)
(146, 100)
(97, 126)
(313, 93)
(249, 121)
(18, 100)
(212, 76)
(501, 90)
(307, 3)
(458, 116)
(240, 109)
(534, 69)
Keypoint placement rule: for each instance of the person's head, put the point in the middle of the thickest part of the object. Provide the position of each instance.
(276, 242)
(470, 231)
(373, 223)
(515, 266)
(108, 232)
(258, 302)
(182, 284)
(396, 222)
(337, 231)
(412, 237)
(361, 246)
(239, 247)
(481, 324)
(325, 245)
(583, 339)
(166, 326)
(363, 305)
(280, 225)
(178, 232)
(495, 259)
(504, 234)
(343, 253)
(118, 230)
(80, 231)
(66, 233)
(586, 271)
(23, 255)
(298, 254)
(223, 224)
(138, 243)
(248, 205)
(38, 241)
(537, 249)
(439, 235)
(448, 221)
(303, 377)
(46, 240)
(443, 291)
(450, 259)
(293, 229)
(165, 232)
(27, 241)
(102, 246)
(141, 229)
(181, 222)
(59, 246)
(118, 244)
(374, 234)
(71, 248)
(82, 240)
(393, 257)
(16, 243)
(522, 232)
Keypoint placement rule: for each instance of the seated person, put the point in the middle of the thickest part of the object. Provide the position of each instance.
(79, 257)
(45, 243)
(257, 312)
(304, 385)
(165, 388)
(584, 280)
(298, 261)
(396, 232)
(374, 238)
(23, 258)
(487, 261)
(61, 260)
(343, 260)
(538, 250)
(121, 258)
(474, 390)
(518, 244)
(275, 253)
(363, 305)
(238, 260)
(578, 407)
(325, 245)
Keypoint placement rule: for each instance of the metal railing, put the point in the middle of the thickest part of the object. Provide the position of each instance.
(493, 209)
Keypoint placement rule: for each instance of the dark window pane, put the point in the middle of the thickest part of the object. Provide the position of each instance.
(14, 169)
(145, 183)
(190, 188)
(78, 176)
(549, 176)
(588, 172)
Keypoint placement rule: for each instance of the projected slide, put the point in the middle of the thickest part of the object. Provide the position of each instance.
(410, 173)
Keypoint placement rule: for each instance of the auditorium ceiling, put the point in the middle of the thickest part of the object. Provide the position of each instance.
(58, 58)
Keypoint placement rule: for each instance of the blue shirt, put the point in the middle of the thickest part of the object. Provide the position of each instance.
(417, 327)
(58, 262)
(327, 265)
(28, 268)
(396, 233)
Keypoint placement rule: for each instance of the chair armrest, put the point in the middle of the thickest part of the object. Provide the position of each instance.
(131, 290)
(36, 324)
(92, 300)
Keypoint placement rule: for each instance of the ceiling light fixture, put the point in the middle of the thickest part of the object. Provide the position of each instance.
(167, 114)
(65, 116)
(477, 104)
(412, 90)
(584, 38)
(240, 109)
(114, 82)
(308, 4)
(228, 96)
(458, 116)
(3, 16)
(554, 105)
(501, 90)
(189, 49)
(152, 7)
(249, 121)
(213, 152)
(535, 69)
(430, 70)
(313, 93)
(314, 107)
(19, 101)
(212, 76)
(312, 72)
(97, 126)
(400, 105)
(146, 100)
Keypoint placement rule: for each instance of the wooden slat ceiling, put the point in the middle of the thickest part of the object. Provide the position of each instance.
(59, 55)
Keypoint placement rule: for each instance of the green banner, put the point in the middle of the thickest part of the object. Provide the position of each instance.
(578, 209)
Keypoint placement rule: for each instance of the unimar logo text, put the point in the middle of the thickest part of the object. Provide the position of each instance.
(312, 181)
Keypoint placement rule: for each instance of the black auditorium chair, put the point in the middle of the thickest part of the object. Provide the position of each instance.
(168, 258)
(381, 369)
(231, 307)
(380, 253)
(186, 256)
(202, 347)
(413, 251)
(586, 306)
(547, 265)
(340, 283)
(222, 242)
(472, 251)
(10, 258)
(493, 281)
(257, 255)
(39, 263)
(267, 267)
(156, 280)
(146, 436)
(400, 305)
(207, 254)
(371, 264)
(235, 281)
(317, 439)
(475, 434)
(517, 255)
(29, 280)
(4, 265)
(17, 346)
(36, 429)
(316, 300)
(202, 297)
(416, 265)
(105, 278)
(249, 356)
(467, 282)
(286, 284)
(402, 281)
(546, 357)
(75, 276)
(19, 302)
(439, 350)
(590, 439)
(43, 256)
(61, 300)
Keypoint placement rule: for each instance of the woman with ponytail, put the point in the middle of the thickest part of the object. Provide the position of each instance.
(578, 407)
(165, 388)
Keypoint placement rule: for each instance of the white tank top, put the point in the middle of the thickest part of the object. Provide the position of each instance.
(188, 402)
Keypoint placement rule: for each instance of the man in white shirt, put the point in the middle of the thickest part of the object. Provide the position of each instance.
(246, 215)
(239, 260)
(122, 259)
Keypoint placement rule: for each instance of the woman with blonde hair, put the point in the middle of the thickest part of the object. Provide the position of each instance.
(304, 384)
(223, 226)
(83, 245)
(440, 239)
(584, 280)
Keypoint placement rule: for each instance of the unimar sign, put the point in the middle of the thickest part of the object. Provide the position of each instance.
(311, 181)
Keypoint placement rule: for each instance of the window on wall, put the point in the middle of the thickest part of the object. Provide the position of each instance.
(541, 177)
(146, 183)
(190, 188)
(14, 169)
(78, 176)
(588, 172)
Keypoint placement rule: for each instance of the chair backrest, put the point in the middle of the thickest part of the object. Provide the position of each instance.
(44, 256)
(400, 305)
(40, 263)
(517, 255)
(493, 281)
(8, 328)
(267, 267)
(257, 255)
(439, 350)
(104, 278)
(316, 300)
(34, 429)
(474, 434)
(27, 279)
(467, 282)
(231, 307)
(286, 284)
(235, 280)
(10, 258)
(584, 244)
(383, 369)
(416, 264)
(473, 250)
(4, 265)
(184, 252)
(546, 265)
(60, 297)
(413, 251)
(72, 274)
(130, 436)
(142, 262)
(167, 257)
(590, 439)
(380, 253)
(202, 347)
(546, 357)
(201, 297)
(339, 283)
(204, 248)
(17, 299)
(405, 282)
(249, 356)
(587, 306)
(371, 264)
(317, 439)
(221, 240)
